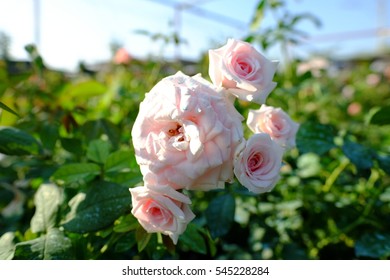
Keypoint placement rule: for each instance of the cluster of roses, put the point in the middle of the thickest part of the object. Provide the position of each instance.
(188, 135)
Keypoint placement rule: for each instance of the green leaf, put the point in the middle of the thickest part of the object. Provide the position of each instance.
(98, 208)
(258, 16)
(49, 135)
(381, 117)
(17, 142)
(142, 238)
(7, 246)
(118, 161)
(8, 109)
(98, 150)
(76, 172)
(94, 129)
(126, 223)
(384, 163)
(360, 156)
(220, 215)
(47, 200)
(85, 90)
(126, 242)
(193, 239)
(315, 138)
(72, 145)
(374, 245)
(52, 246)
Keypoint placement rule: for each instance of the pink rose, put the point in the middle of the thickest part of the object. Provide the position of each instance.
(275, 122)
(161, 209)
(257, 166)
(186, 133)
(242, 70)
(122, 56)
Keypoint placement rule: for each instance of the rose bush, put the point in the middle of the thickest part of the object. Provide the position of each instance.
(275, 122)
(188, 134)
(242, 70)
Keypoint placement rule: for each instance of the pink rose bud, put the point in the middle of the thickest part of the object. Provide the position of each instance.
(242, 70)
(257, 166)
(122, 56)
(276, 123)
(161, 209)
(186, 133)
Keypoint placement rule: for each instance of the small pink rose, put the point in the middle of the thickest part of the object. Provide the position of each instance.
(257, 166)
(122, 56)
(161, 209)
(186, 133)
(242, 70)
(275, 122)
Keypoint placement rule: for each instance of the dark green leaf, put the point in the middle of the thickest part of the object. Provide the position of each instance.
(126, 242)
(118, 160)
(315, 138)
(47, 200)
(384, 163)
(7, 246)
(142, 238)
(17, 142)
(98, 150)
(76, 172)
(8, 109)
(49, 135)
(94, 129)
(52, 246)
(125, 178)
(375, 245)
(381, 117)
(72, 145)
(359, 155)
(220, 215)
(126, 223)
(193, 239)
(99, 207)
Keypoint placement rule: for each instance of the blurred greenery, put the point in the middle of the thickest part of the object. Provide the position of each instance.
(67, 162)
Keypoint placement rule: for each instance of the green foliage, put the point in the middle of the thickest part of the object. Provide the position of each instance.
(97, 208)
(17, 142)
(52, 246)
(220, 215)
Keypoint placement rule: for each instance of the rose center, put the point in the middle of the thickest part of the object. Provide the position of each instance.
(245, 67)
(176, 131)
(255, 162)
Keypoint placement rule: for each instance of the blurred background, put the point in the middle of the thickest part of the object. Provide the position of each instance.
(68, 32)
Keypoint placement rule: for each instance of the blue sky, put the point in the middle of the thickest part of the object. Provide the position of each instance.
(75, 30)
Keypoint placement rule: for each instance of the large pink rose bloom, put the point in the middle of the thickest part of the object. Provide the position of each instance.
(186, 133)
(161, 209)
(276, 123)
(242, 70)
(257, 166)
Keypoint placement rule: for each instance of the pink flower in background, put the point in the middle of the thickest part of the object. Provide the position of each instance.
(161, 209)
(186, 133)
(354, 109)
(257, 166)
(275, 122)
(122, 56)
(242, 70)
